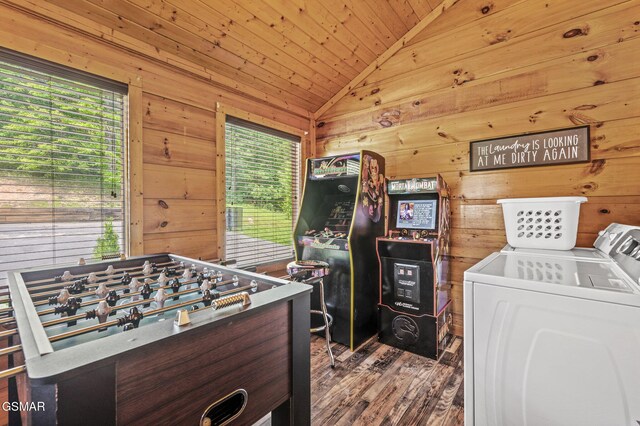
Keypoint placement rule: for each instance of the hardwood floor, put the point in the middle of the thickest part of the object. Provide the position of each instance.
(382, 385)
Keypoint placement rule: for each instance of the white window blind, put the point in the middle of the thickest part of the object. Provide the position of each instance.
(61, 164)
(262, 174)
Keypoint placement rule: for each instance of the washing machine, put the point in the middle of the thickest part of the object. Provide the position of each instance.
(553, 337)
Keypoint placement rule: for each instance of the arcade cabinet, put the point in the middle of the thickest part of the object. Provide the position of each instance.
(414, 269)
(341, 214)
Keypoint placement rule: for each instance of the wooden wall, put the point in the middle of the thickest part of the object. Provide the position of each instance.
(488, 68)
(172, 116)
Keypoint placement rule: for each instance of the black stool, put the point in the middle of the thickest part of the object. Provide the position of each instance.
(312, 272)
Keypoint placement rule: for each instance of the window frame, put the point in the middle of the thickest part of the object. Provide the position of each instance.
(221, 199)
(132, 140)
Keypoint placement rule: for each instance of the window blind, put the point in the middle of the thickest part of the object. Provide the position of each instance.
(262, 175)
(61, 164)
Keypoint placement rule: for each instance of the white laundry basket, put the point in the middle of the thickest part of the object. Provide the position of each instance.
(542, 223)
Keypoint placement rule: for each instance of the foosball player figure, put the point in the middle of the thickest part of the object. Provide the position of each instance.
(125, 280)
(133, 317)
(175, 287)
(102, 290)
(78, 286)
(146, 292)
(160, 297)
(60, 298)
(169, 272)
(206, 285)
(134, 285)
(66, 276)
(111, 299)
(101, 312)
(207, 298)
(70, 308)
(162, 279)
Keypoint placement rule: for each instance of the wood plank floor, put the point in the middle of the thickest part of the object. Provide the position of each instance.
(382, 385)
(378, 385)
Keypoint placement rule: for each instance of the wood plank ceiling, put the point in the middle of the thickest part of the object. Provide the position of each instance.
(299, 51)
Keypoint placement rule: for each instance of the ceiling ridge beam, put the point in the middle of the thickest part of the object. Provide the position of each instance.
(384, 56)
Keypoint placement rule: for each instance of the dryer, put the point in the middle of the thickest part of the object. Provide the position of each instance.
(553, 337)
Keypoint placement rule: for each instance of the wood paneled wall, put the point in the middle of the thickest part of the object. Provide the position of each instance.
(176, 107)
(489, 68)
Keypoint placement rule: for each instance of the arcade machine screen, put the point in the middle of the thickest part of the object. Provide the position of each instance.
(416, 214)
(339, 218)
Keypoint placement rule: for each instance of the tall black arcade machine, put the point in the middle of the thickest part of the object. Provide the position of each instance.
(415, 292)
(341, 214)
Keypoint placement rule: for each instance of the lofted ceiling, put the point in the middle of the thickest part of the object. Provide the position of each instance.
(303, 52)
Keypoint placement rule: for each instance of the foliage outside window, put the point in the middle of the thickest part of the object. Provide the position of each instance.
(261, 192)
(61, 165)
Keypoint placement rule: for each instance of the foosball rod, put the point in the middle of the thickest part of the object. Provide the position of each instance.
(136, 293)
(12, 372)
(93, 287)
(109, 280)
(243, 298)
(89, 294)
(123, 287)
(46, 294)
(142, 301)
(216, 304)
(131, 268)
(10, 349)
(93, 292)
(82, 315)
(16, 348)
(85, 294)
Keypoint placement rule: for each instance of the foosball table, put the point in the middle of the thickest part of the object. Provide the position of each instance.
(156, 340)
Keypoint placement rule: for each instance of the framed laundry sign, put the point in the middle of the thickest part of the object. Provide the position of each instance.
(553, 147)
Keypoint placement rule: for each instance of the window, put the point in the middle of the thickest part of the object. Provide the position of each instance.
(61, 164)
(262, 174)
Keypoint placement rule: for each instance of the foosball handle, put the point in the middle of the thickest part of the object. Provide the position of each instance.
(243, 299)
